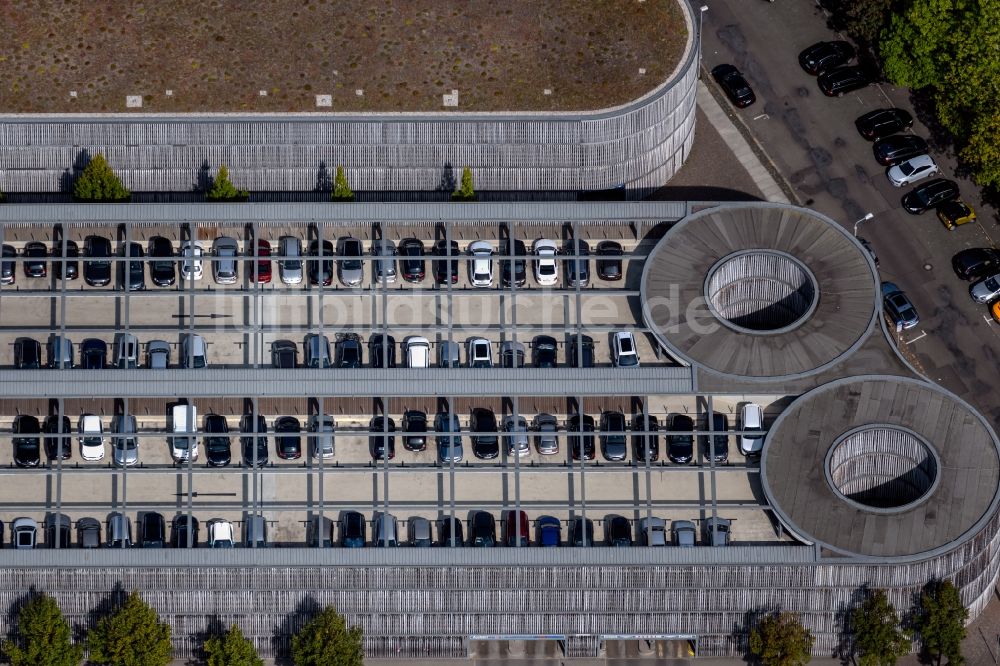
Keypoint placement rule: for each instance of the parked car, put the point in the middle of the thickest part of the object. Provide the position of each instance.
(617, 531)
(24, 533)
(513, 270)
(930, 194)
(751, 425)
(385, 533)
(449, 354)
(194, 352)
(183, 440)
(88, 533)
(218, 445)
(57, 530)
(382, 438)
(898, 306)
(191, 261)
(976, 262)
(515, 430)
(349, 354)
(511, 354)
(382, 351)
(124, 440)
(350, 268)
(221, 534)
(482, 530)
(317, 351)
(185, 529)
(613, 436)
(869, 248)
(157, 354)
(126, 348)
(650, 426)
(842, 80)
(60, 445)
(260, 270)
(545, 265)
(581, 532)
(91, 431)
(97, 263)
(418, 351)
(609, 260)
(823, 56)
(450, 534)
(290, 263)
(445, 268)
(255, 532)
(152, 530)
(653, 532)
(162, 270)
(414, 427)
(412, 263)
(321, 443)
(623, 351)
(69, 260)
(284, 354)
(576, 264)
(680, 441)
(60, 352)
(254, 430)
(544, 352)
(716, 531)
(985, 290)
(7, 273)
(225, 266)
(581, 351)
(119, 531)
(546, 428)
(718, 423)
(93, 354)
(320, 270)
(419, 533)
(912, 170)
(580, 436)
(515, 529)
(734, 84)
(26, 440)
(448, 437)
(384, 267)
(353, 530)
(288, 437)
(549, 531)
(483, 433)
(682, 533)
(955, 213)
(481, 263)
(131, 268)
(881, 123)
(35, 264)
(898, 148)
(27, 354)
(479, 353)
(319, 532)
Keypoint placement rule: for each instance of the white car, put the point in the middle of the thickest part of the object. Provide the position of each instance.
(418, 352)
(183, 441)
(220, 533)
(191, 261)
(479, 353)
(912, 170)
(91, 437)
(546, 265)
(623, 350)
(751, 418)
(481, 264)
(194, 352)
(290, 265)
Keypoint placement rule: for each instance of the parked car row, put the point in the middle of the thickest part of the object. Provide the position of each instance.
(486, 432)
(316, 261)
(94, 353)
(351, 530)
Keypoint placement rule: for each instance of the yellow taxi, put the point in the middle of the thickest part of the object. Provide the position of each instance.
(955, 213)
(995, 311)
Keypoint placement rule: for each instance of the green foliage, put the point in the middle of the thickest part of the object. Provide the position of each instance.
(232, 649)
(940, 621)
(45, 636)
(914, 41)
(327, 641)
(982, 151)
(465, 191)
(781, 640)
(222, 188)
(97, 182)
(864, 19)
(878, 639)
(341, 189)
(131, 636)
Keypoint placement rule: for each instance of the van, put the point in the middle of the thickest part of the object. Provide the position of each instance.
(183, 443)
(60, 352)
(126, 350)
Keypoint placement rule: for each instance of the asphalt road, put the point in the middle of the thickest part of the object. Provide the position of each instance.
(813, 143)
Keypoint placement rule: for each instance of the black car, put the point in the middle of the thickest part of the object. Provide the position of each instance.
(450, 533)
(131, 274)
(822, 56)
(27, 354)
(543, 351)
(640, 441)
(733, 83)
(881, 123)
(483, 426)
(976, 262)
(97, 265)
(93, 354)
(516, 248)
(162, 269)
(72, 264)
(581, 351)
(284, 354)
(57, 531)
(35, 254)
(348, 353)
(27, 449)
(249, 425)
(320, 270)
(382, 438)
(442, 274)
(930, 194)
(719, 424)
(152, 530)
(869, 248)
(353, 530)
(411, 259)
(609, 260)
(56, 447)
(217, 444)
(7, 275)
(581, 532)
(617, 531)
(382, 351)
(184, 528)
(482, 530)
(680, 443)
(898, 148)
(576, 253)
(288, 437)
(613, 436)
(841, 80)
(580, 436)
(414, 430)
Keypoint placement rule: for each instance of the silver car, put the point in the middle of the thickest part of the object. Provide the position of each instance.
(385, 268)
(321, 441)
(384, 531)
(350, 268)
(290, 265)
(124, 443)
(546, 441)
(986, 290)
(516, 429)
(420, 532)
(225, 268)
(158, 355)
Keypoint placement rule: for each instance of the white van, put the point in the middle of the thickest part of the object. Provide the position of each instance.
(183, 443)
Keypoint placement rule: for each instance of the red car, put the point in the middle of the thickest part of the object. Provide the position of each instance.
(263, 272)
(513, 519)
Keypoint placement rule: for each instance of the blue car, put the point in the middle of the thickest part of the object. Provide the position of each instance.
(549, 531)
(898, 307)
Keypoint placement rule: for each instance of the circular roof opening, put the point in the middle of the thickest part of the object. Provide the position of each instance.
(761, 291)
(884, 469)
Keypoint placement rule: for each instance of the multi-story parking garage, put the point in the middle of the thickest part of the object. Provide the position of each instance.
(859, 473)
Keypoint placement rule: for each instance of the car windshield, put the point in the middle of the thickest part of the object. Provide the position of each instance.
(907, 168)
(992, 284)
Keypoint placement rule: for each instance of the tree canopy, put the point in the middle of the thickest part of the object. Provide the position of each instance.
(341, 189)
(940, 621)
(326, 640)
(781, 640)
(878, 639)
(97, 182)
(131, 636)
(222, 188)
(231, 649)
(45, 636)
(465, 191)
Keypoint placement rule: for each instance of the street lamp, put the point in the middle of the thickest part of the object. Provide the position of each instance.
(701, 22)
(864, 219)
